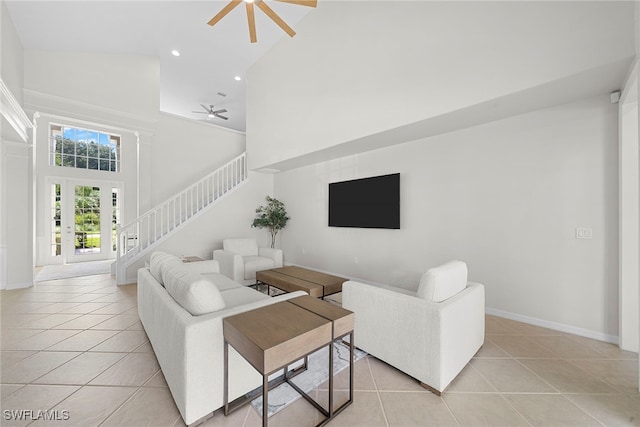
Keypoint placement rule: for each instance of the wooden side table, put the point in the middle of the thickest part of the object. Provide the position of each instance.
(273, 337)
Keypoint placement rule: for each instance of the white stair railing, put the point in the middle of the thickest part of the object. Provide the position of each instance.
(140, 236)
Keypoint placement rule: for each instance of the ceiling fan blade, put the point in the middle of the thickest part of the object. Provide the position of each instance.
(205, 107)
(219, 111)
(199, 112)
(228, 8)
(251, 17)
(274, 16)
(221, 117)
(309, 3)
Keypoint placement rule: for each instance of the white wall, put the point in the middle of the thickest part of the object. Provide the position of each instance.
(354, 70)
(506, 197)
(17, 215)
(186, 150)
(10, 54)
(125, 83)
(16, 220)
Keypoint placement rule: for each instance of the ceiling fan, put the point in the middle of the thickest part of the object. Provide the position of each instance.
(262, 5)
(211, 113)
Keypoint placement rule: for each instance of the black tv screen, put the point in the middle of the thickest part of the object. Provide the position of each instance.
(365, 203)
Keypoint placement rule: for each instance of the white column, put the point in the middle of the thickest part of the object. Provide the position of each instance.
(629, 190)
(17, 219)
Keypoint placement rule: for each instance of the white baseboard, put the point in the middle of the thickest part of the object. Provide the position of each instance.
(554, 325)
(12, 286)
(613, 339)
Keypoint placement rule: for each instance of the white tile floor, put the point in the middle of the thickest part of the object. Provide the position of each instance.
(77, 345)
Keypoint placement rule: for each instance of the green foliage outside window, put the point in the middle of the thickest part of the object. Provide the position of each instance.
(83, 155)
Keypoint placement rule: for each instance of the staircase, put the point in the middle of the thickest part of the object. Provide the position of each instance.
(138, 238)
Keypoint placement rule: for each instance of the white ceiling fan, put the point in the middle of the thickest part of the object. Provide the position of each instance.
(211, 113)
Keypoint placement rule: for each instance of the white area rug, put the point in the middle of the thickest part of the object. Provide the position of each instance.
(317, 373)
(64, 271)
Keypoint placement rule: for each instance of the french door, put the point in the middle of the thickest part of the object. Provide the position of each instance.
(84, 216)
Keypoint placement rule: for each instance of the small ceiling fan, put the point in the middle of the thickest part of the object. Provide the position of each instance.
(262, 5)
(211, 113)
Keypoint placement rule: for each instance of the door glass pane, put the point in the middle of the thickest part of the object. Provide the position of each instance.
(56, 217)
(87, 220)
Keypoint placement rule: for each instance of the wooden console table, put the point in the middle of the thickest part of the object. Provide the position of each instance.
(273, 337)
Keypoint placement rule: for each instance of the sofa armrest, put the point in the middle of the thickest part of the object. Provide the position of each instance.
(274, 254)
(231, 264)
(202, 267)
(386, 321)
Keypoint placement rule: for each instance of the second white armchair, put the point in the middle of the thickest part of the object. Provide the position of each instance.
(240, 259)
(430, 334)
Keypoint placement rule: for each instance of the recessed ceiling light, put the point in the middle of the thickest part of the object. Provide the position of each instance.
(175, 53)
(249, 1)
(238, 78)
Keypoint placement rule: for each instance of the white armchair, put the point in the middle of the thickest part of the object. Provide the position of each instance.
(240, 259)
(430, 334)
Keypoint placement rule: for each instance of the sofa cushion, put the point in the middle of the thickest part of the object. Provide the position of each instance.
(244, 247)
(221, 281)
(444, 281)
(241, 296)
(156, 262)
(256, 263)
(201, 267)
(192, 291)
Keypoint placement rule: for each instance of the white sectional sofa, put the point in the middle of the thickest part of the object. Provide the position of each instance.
(186, 336)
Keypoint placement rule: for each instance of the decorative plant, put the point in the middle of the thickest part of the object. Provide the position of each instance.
(273, 216)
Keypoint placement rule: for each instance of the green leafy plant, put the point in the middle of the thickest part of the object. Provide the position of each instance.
(273, 217)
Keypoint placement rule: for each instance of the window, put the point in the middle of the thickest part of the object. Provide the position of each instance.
(84, 149)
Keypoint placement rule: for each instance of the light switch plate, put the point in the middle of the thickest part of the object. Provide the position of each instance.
(584, 233)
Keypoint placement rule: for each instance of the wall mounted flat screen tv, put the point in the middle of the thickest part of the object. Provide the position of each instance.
(365, 203)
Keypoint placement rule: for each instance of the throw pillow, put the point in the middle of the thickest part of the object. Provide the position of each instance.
(156, 262)
(442, 282)
(193, 292)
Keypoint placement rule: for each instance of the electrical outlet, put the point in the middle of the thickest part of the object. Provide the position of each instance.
(584, 233)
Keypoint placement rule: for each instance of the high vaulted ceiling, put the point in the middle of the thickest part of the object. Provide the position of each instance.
(210, 57)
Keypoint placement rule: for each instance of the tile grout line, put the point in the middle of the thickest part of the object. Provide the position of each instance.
(444, 402)
(375, 384)
(502, 395)
(551, 385)
(499, 393)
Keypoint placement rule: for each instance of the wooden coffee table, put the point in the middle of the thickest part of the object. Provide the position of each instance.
(293, 278)
(273, 337)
